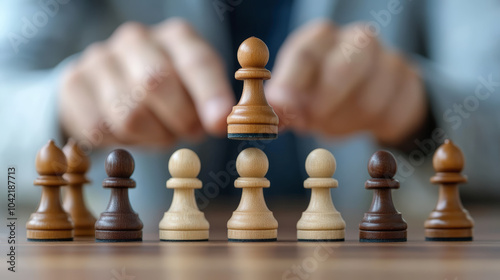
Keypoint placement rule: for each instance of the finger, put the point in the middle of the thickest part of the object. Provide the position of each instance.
(130, 122)
(406, 112)
(364, 107)
(380, 87)
(201, 72)
(179, 115)
(76, 100)
(344, 69)
(154, 81)
(296, 68)
(141, 122)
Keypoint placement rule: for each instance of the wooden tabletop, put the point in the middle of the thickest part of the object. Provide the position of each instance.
(285, 259)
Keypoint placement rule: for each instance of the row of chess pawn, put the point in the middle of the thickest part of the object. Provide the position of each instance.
(252, 220)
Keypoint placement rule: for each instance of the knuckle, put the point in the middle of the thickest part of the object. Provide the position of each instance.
(339, 65)
(131, 123)
(353, 28)
(323, 28)
(130, 31)
(96, 49)
(306, 54)
(373, 44)
(395, 61)
(358, 35)
(72, 77)
(96, 52)
(150, 84)
(201, 59)
(393, 64)
(184, 128)
(179, 26)
(369, 110)
(151, 80)
(390, 63)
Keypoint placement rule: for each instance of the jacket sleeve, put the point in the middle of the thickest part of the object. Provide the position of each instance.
(461, 72)
(37, 40)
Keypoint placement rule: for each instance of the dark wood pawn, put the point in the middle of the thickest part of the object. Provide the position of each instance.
(50, 222)
(449, 221)
(382, 223)
(119, 223)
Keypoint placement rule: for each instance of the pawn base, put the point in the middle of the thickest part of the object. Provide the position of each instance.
(183, 235)
(382, 236)
(252, 240)
(321, 235)
(49, 235)
(461, 234)
(252, 136)
(118, 235)
(264, 235)
(252, 131)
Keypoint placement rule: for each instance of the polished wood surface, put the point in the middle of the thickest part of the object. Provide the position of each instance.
(219, 259)
(252, 118)
(449, 221)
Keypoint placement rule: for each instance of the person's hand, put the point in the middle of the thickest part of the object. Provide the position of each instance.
(339, 81)
(146, 86)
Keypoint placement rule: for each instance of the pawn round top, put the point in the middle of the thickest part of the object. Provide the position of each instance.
(320, 163)
(252, 162)
(382, 164)
(78, 162)
(448, 158)
(50, 160)
(253, 52)
(119, 164)
(184, 163)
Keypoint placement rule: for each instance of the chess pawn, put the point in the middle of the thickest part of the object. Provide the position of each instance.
(252, 118)
(321, 221)
(119, 223)
(449, 221)
(382, 223)
(50, 222)
(184, 221)
(78, 165)
(252, 221)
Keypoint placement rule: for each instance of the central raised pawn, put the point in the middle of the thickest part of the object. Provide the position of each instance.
(252, 118)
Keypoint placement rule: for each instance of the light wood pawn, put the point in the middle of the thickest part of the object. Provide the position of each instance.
(252, 221)
(184, 221)
(321, 221)
(449, 221)
(50, 222)
(78, 165)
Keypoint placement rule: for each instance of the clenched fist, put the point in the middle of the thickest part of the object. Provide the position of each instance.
(146, 86)
(339, 81)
